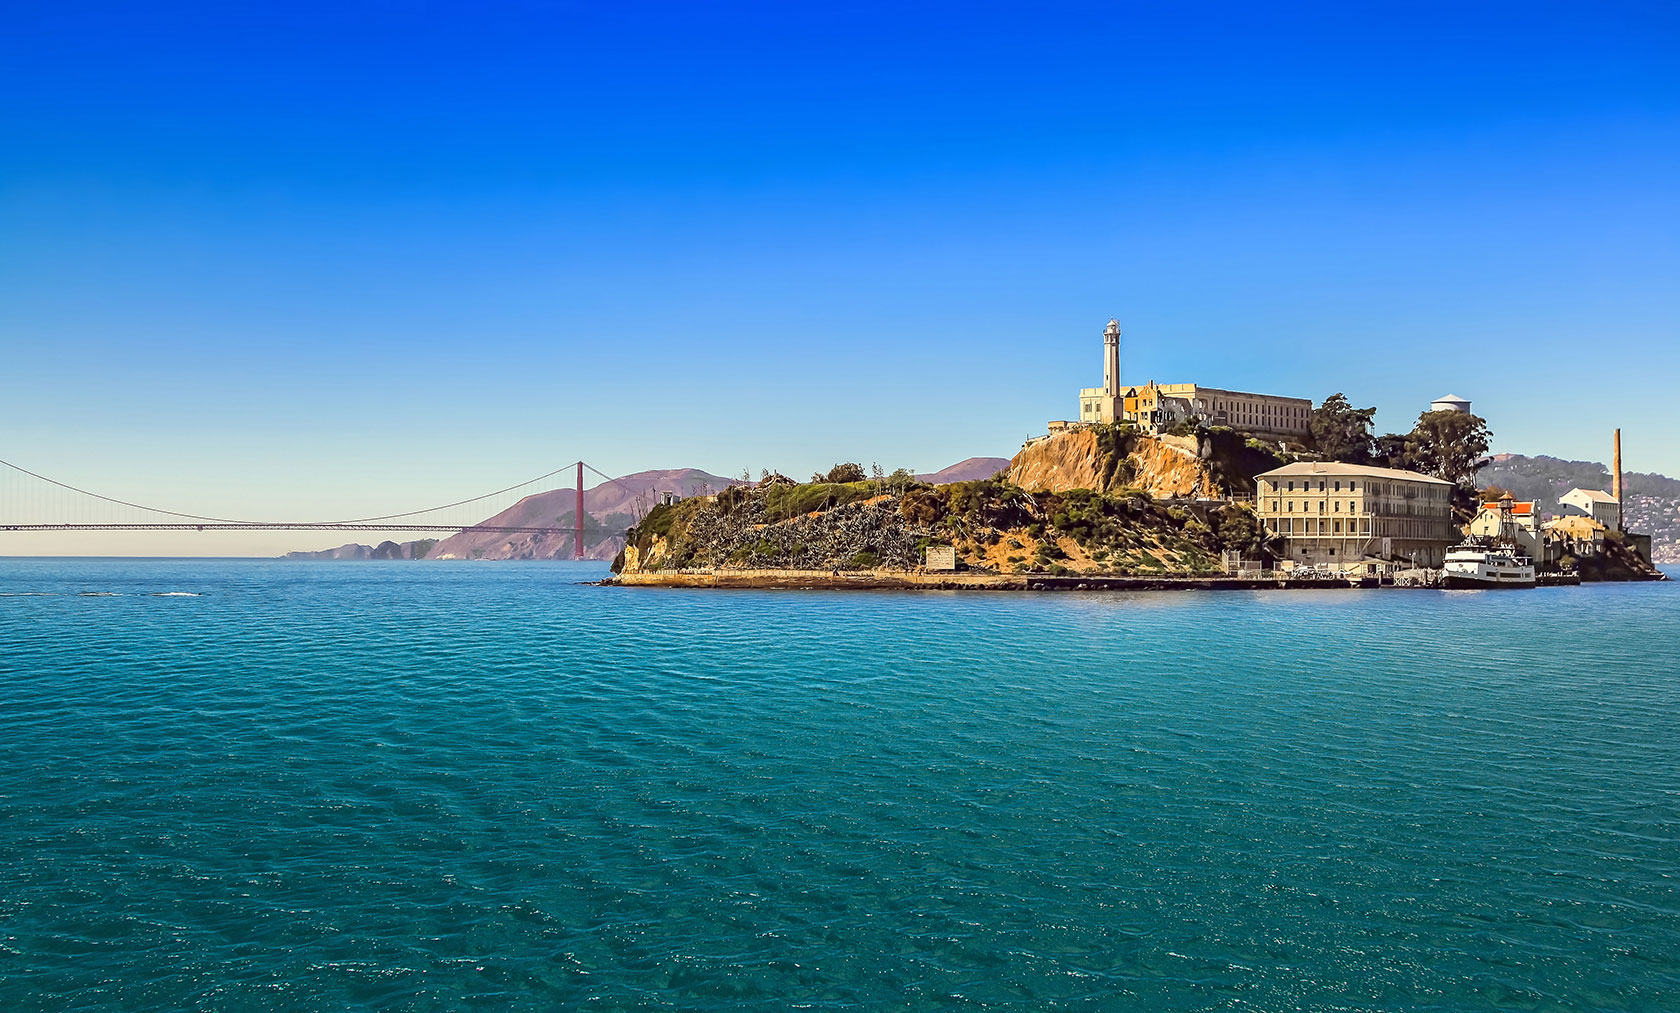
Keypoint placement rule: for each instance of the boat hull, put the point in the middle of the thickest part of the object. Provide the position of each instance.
(1466, 582)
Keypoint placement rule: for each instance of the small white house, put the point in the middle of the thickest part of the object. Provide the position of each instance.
(1600, 506)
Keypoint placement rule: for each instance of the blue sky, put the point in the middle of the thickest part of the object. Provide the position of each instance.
(330, 260)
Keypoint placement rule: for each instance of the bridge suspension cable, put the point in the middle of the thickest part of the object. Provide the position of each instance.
(119, 502)
(464, 502)
(61, 513)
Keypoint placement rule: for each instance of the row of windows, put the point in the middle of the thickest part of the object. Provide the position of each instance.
(1306, 507)
(1409, 490)
(1258, 408)
(1322, 526)
(1360, 526)
(1307, 486)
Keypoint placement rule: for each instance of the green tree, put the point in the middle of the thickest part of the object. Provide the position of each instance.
(1447, 444)
(1389, 451)
(846, 472)
(1341, 431)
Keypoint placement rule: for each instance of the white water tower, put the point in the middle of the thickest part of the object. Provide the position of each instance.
(1449, 403)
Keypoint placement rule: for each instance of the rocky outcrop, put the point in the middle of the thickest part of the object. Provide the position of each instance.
(1171, 467)
(1070, 460)
(1104, 460)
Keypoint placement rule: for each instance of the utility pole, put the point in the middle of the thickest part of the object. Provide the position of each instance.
(578, 517)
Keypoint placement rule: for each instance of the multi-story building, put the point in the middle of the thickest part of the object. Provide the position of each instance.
(1342, 515)
(1157, 406)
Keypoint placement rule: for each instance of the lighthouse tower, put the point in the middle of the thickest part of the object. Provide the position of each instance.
(1111, 358)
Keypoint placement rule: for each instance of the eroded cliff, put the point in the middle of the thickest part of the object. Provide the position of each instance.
(1104, 459)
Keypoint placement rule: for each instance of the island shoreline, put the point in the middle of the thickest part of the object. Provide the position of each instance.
(911, 580)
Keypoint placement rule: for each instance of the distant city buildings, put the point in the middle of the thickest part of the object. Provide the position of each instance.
(1155, 407)
(1343, 515)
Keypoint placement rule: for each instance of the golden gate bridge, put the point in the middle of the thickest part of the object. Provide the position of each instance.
(30, 501)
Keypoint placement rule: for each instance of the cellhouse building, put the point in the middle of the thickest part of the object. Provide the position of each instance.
(1154, 407)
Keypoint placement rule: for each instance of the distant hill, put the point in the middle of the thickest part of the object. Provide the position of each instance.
(1652, 502)
(971, 470)
(384, 550)
(609, 508)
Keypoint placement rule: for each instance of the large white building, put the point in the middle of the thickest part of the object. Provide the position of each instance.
(1153, 406)
(1342, 515)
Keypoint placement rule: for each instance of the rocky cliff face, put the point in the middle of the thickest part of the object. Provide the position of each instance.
(1104, 460)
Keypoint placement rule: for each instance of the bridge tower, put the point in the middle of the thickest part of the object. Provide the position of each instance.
(578, 515)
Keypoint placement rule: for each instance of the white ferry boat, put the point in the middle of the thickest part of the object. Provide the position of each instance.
(1478, 564)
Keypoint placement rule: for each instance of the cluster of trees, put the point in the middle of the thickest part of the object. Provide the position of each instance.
(850, 471)
(844, 473)
(1446, 444)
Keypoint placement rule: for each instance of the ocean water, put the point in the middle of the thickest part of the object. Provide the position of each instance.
(247, 785)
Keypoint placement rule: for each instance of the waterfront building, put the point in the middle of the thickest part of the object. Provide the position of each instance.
(1154, 407)
(1343, 515)
(1597, 504)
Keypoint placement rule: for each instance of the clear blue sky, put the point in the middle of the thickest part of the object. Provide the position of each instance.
(318, 260)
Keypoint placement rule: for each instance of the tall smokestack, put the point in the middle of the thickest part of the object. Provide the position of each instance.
(579, 513)
(1616, 478)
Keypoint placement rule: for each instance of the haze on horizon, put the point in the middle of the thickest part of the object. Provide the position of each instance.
(334, 260)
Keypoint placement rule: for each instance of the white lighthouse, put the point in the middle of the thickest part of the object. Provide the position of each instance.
(1111, 358)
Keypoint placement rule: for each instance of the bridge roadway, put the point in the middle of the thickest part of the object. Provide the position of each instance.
(285, 526)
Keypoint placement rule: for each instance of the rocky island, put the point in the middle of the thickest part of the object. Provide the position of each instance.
(1098, 500)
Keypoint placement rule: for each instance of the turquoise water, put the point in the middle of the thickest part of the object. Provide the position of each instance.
(454, 786)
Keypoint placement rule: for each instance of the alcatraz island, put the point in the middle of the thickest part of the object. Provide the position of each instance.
(1154, 485)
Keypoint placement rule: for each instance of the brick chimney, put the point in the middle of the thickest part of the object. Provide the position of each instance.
(1616, 478)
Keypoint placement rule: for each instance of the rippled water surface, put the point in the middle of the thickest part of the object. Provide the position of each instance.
(264, 785)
